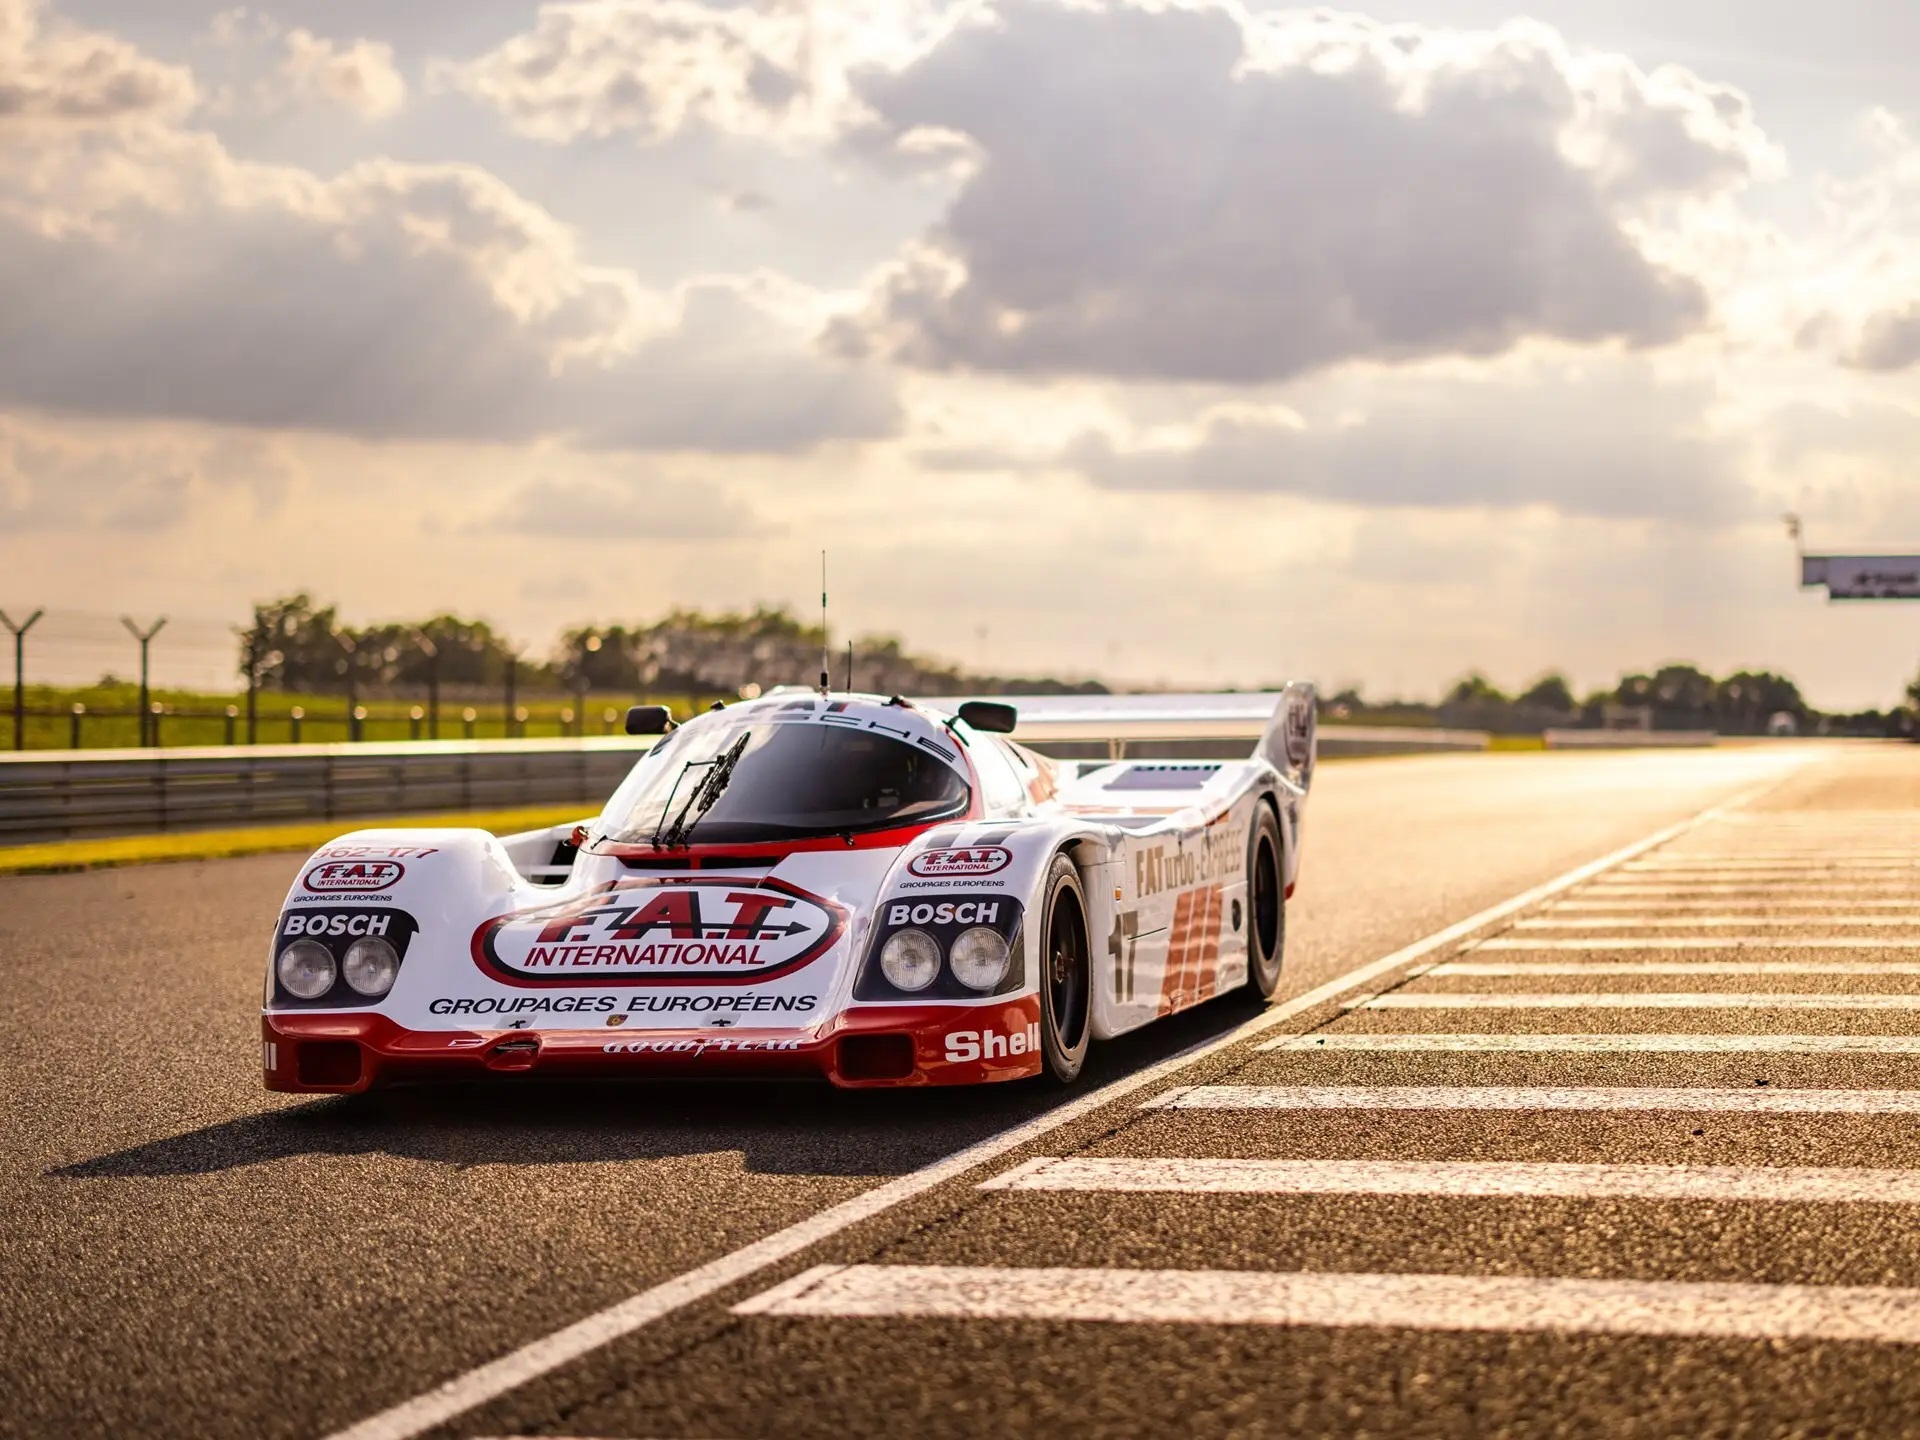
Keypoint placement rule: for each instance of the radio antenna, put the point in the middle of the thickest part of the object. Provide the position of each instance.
(849, 667)
(826, 664)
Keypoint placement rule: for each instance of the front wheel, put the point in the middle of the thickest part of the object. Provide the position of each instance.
(1266, 906)
(1066, 974)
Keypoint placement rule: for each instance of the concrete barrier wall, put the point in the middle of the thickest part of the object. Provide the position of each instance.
(1629, 739)
(64, 795)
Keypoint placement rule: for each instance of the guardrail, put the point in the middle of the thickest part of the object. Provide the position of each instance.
(74, 794)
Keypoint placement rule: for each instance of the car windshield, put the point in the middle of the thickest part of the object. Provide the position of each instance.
(789, 781)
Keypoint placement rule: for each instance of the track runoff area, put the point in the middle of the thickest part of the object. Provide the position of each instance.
(1631, 1151)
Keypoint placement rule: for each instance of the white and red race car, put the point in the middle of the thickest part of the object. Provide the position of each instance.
(849, 886)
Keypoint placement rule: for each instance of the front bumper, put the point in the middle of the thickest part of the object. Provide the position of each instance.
(344, 1053)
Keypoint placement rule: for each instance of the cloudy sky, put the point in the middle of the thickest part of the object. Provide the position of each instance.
(1182, 340)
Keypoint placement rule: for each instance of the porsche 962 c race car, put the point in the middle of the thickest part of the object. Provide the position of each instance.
(867, 889)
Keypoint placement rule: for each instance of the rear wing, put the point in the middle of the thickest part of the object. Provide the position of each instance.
(1280, 725)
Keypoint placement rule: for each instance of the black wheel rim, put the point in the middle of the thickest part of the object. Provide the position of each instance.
(1266, 900)
(1067, 974)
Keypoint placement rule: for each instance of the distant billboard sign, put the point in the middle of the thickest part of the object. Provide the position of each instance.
(1863, 577)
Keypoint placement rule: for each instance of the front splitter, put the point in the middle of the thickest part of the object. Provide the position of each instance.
(348, 1052)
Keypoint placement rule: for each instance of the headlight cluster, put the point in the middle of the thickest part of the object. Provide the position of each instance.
(338, 955)
(979, 958)
(306, 969)
(371, 967)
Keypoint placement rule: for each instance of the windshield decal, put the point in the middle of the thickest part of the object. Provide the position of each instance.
(663, 931)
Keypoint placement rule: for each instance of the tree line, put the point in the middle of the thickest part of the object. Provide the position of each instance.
(1669, 697)
(297, 644)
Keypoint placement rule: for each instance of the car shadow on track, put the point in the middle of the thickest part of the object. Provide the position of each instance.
(779, 1128)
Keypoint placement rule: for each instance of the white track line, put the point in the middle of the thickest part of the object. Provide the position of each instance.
(1408, 1302)
(1835, 870)
(1651, 1043)
(1714, 922)
(1752, 1101)
(1518, 969)
(1798, 880)
(1715, 942)
(1904, 879)
(1816, 909)
(1842, 891)
(1824, 855)
(498, 1377)
(1632, 1000)
(1755, 861)
(1792, 1185)
(1880, 872)
(1672, 862)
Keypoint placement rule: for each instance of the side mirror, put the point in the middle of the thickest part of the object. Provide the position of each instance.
(649, 720)
(989, 716)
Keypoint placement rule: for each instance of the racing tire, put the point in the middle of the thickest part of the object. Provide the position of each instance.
(1266, 905)
(1066, 974)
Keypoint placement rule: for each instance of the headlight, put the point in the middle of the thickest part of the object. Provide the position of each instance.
(370, 967)
(979, 958)
(306, 969)
(910, 960)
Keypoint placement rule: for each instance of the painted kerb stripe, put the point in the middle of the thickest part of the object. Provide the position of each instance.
(1522, 968)
(1774, 1184)
(1708, 922)
(1763, 863)
(1820, 854)
(1631, 1000)
(1409, 1302)
(1832, 891)
(1697, 942)
(1713, 903)
(1750, 1101)
(1651, 1043)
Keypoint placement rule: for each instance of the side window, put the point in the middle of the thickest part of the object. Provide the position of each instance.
(1003, 789)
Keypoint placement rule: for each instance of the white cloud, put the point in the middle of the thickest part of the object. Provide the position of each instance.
(406, 301)
(1852, 286)
(647, 69)
(53, 72)
(146, 271)
(55, 478)
(652, 68)
(1188, 192)
(1889, 340)
(625, 512)
(1594, 436)
(360, 77)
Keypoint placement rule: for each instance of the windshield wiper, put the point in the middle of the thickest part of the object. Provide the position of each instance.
(719, 773)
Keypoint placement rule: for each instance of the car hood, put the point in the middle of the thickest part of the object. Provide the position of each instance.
(770, 941)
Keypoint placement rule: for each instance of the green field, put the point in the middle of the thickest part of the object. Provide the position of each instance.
(195, 718)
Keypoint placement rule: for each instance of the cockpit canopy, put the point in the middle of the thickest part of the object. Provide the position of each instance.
(756, 775)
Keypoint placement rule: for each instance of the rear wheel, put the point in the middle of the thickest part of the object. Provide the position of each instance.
(1266, 906)
(1066, 974)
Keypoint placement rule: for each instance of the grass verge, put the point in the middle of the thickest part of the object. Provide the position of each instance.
(66, 855)
(1512, 743)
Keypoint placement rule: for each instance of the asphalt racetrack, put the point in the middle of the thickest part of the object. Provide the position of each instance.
(1632, 1153)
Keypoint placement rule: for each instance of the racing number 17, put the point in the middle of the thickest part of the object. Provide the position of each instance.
(1121, 945)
